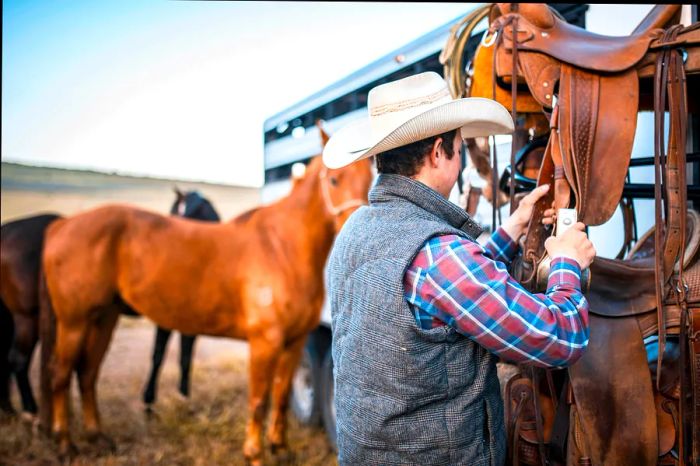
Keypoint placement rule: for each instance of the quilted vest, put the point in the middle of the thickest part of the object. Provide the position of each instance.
(404, 395)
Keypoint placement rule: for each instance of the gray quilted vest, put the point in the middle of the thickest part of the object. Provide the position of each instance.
(404, 395)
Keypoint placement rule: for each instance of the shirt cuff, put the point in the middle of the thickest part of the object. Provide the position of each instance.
(564, 272)
(502, 246)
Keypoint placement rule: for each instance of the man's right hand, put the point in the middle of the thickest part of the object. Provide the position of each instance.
(574, 244)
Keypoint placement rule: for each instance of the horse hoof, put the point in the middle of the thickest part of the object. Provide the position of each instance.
(282, 455)
(66, 451)
(29, 418)
(6, 409)
(102, 442)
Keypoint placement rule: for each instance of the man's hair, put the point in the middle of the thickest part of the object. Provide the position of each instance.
(407, 160)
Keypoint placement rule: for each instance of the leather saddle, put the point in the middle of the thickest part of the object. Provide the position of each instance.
(589, 87)
(616, 416)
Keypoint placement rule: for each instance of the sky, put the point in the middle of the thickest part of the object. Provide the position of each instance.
(180, 89)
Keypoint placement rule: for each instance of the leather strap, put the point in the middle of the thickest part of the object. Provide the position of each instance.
(539, 428)
(560, 429)
(561, 187)
(514, 111)
(533, 247)
(669, 172)
(629, 225)
(693, 391)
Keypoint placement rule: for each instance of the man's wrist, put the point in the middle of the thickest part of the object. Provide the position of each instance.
(513, 229)
(570, 257)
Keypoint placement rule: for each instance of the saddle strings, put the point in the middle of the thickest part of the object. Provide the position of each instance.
(328, 200)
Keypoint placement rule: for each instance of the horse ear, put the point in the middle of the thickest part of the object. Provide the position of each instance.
(177, 192)
(324, 136)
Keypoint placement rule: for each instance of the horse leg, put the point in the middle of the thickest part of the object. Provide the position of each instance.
(161, 343)
(186, 347)
(263, 358)
(70, 337)
(286, 366)
(26, 336)
(96, 343)
(6, 338)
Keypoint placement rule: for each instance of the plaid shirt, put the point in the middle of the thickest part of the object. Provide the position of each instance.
(456, 282)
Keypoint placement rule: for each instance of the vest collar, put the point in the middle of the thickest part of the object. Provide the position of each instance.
(390, 186)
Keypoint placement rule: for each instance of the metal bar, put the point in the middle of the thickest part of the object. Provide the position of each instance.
(692, 157)
(646, 191)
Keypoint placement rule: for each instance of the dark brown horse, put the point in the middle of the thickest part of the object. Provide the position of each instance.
(258, 277)
(191, 205)
(21, 242)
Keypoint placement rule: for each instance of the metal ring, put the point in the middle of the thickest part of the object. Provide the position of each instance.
(488, 41)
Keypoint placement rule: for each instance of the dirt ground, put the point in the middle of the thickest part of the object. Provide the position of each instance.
(207, 429)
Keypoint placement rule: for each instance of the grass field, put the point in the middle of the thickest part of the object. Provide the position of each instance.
(28, 190)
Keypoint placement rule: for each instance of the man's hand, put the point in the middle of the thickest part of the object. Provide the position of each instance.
(516, 224)
(574, 244)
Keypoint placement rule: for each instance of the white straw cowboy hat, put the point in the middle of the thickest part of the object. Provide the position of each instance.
(411, 109)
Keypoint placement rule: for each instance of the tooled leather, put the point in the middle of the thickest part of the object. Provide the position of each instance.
(584, 105)
(541, 74)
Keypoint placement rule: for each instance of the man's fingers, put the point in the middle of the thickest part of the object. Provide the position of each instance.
(535, 194)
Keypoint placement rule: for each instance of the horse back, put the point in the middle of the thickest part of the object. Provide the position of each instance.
(80, 256)
(21, 242)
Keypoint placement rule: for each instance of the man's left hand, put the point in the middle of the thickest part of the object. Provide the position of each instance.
(516, 224)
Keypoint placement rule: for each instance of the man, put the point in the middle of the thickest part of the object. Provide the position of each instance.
(421, 312)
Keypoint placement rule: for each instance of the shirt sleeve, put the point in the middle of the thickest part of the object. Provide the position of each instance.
(500, 246)
(460, 283)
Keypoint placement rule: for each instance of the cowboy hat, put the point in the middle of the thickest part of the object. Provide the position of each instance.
(410, 109)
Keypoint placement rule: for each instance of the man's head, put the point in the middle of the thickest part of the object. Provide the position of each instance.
(431, 160)
(412, 110)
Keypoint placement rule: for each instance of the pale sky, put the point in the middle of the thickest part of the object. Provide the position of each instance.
(180, 89)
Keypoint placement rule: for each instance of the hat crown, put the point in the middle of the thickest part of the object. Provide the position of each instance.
(407, 93)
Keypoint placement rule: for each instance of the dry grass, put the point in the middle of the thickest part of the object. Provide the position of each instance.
(209, 429)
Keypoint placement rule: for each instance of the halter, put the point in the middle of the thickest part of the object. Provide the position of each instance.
(328, 201)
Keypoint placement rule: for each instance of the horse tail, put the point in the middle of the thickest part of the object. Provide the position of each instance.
(47, 335)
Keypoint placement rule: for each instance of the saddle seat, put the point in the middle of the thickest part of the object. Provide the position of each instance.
(539, 30)
(622, 288)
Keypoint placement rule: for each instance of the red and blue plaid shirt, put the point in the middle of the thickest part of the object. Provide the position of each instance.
(457, 282)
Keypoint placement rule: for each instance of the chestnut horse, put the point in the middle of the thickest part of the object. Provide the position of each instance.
(21, 243)
(192, 205)
(257, 277)
(20, 260)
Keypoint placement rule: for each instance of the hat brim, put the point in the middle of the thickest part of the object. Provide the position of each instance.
(475, 116)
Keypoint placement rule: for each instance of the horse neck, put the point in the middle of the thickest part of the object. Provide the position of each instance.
(307, 211)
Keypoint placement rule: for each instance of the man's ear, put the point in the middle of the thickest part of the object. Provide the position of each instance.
(435, 151)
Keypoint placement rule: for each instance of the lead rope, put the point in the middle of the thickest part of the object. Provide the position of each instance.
(328, 201)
